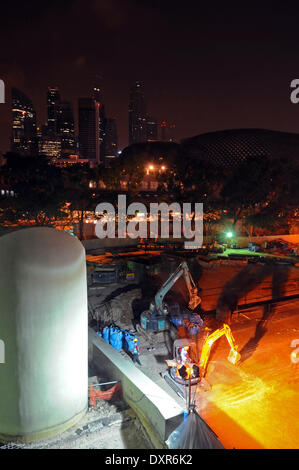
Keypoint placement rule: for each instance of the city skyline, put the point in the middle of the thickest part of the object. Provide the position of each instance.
(64, 135)
(206, 68)
(149, 213)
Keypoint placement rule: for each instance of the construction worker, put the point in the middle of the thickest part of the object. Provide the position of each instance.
(136, 352)
(185, 354)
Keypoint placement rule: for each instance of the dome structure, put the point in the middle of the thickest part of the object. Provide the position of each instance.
(229, 148)
(43, 326)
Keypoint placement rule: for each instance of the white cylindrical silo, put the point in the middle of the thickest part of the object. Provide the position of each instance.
(43, 324)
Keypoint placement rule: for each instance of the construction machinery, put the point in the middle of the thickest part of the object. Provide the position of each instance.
(183, 370)
(233, 356)
(155, 319)
(188, 370)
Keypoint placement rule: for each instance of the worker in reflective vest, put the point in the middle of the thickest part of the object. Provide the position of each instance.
(136, 353)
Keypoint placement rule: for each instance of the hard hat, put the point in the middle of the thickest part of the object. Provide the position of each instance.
(135, 339)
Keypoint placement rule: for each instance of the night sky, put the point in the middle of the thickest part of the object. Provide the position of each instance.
(204, 66)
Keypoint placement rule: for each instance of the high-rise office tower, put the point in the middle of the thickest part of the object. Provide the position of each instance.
(66, 127)
(111, 139)
(137, 115)
(89, 129)
(151, 129)
(97, 95)
(24, 137)
(53, 102)
(102, 129)
(49, 144)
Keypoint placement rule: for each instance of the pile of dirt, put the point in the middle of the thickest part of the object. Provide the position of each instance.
(115, 308)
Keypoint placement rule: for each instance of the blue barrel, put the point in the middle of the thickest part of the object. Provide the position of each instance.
(106, 334)
(116, 338)
(99, 333)
(111, 334)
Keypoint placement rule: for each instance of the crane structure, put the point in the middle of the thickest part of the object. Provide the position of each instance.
(155, 319)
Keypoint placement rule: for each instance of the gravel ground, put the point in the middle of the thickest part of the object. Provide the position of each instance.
(111, 425)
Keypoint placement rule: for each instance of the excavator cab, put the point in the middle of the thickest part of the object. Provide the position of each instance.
(192, 373)
(183, 343)
(183, 367)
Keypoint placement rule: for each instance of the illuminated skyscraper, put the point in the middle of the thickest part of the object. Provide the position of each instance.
(97, 89)
(66, 127)
(89, 129)
(49, 146)
(53, 102)
(98, 97)
(24, 137)
(137, 115)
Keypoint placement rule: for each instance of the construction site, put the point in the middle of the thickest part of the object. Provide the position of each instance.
(186, 349)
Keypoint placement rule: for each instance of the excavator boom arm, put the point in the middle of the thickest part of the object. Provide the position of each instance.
(233, 356)
(182, 269)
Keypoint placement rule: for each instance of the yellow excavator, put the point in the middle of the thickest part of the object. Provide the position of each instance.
(233, 356)
(185, 369)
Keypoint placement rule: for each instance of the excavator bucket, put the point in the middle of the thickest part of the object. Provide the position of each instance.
(194, 302)
(234, 356)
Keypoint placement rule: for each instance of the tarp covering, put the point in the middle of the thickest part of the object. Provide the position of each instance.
(193, 433)
(94, 395)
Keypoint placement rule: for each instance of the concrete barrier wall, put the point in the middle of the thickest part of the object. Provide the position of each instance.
(158, 412)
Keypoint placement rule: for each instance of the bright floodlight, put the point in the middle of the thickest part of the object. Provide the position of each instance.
(229, 234)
